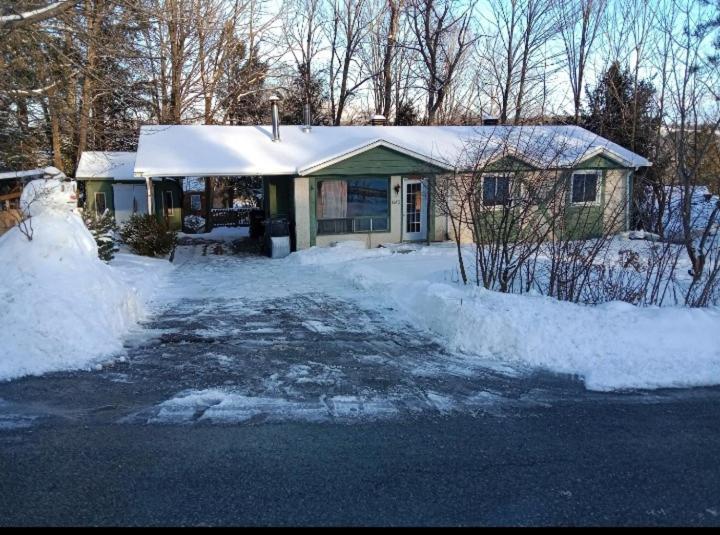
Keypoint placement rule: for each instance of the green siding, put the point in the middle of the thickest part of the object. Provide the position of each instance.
(600, 162)
(174, 221)
(106, 186)
(98, 186)
(378, 161)
(279, 196)
(508, 164)
(584, 222)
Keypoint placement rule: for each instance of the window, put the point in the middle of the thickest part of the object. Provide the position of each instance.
(357, 205)
(169, 206)
(100, 203)
(496, 190)
(195, 204)
(585, 188)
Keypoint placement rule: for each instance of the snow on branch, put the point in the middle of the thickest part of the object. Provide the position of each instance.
(33, 92)
(36, 15)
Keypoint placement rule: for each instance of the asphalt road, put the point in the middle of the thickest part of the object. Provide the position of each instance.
(569, 464)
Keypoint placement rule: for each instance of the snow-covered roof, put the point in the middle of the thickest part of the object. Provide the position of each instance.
(249, 150)
(43, 172)
(109, 165)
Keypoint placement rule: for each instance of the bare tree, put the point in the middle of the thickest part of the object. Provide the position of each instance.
(349, 27)
(515, 55)
(20, 19)
(693, 126)
(380, 52)
(303, 26)
(443, 35)
(579, 25)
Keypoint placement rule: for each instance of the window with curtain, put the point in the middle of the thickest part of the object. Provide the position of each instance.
(356, 205)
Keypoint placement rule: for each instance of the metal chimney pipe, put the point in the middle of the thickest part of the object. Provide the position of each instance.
(307, 117)
(275, 117)
(378, 120)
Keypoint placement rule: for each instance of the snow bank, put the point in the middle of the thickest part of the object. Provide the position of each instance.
(63, 308)
(338, 253)
(611, 346)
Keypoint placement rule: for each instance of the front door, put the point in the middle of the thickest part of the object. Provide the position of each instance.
(415, 210)
(129, 199)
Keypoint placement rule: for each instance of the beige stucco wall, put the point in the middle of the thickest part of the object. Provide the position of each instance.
(440, 227)
(616, 200)
(302, 212)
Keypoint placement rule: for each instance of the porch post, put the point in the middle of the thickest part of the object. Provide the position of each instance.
(150, 195)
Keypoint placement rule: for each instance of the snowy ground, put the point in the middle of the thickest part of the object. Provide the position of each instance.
(245, 339)
(610, 346)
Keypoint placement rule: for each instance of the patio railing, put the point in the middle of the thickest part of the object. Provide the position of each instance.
(352, 225)
(231, 217)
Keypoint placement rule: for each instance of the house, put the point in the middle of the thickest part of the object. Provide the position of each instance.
(106, 182)
(371, 183)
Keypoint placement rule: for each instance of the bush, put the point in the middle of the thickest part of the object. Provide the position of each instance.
(102, 227)
(147, 236)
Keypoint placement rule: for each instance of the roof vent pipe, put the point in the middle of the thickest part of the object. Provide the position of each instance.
(275, 117)
(307, 117)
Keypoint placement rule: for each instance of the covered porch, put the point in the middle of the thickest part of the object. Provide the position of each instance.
(264, 205)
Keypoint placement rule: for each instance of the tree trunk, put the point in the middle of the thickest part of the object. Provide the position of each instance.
(55, 132)
(389, 54)
(92, 15)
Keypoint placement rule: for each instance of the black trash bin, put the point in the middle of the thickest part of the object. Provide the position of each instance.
(257, 224)
(278, 226)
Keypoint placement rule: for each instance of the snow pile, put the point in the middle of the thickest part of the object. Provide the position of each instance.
(611, 346)
(63, 308)
(339, 252)
(48, 196)
(702, 204)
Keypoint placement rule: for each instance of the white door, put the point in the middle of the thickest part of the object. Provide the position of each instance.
(414, 210)
(129, 199)
(123, 202)
(141, 200)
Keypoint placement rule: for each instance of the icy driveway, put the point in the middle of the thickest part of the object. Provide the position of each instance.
(238, 338)
(243, 338)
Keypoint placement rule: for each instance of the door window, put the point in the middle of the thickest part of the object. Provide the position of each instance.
(413, 207)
